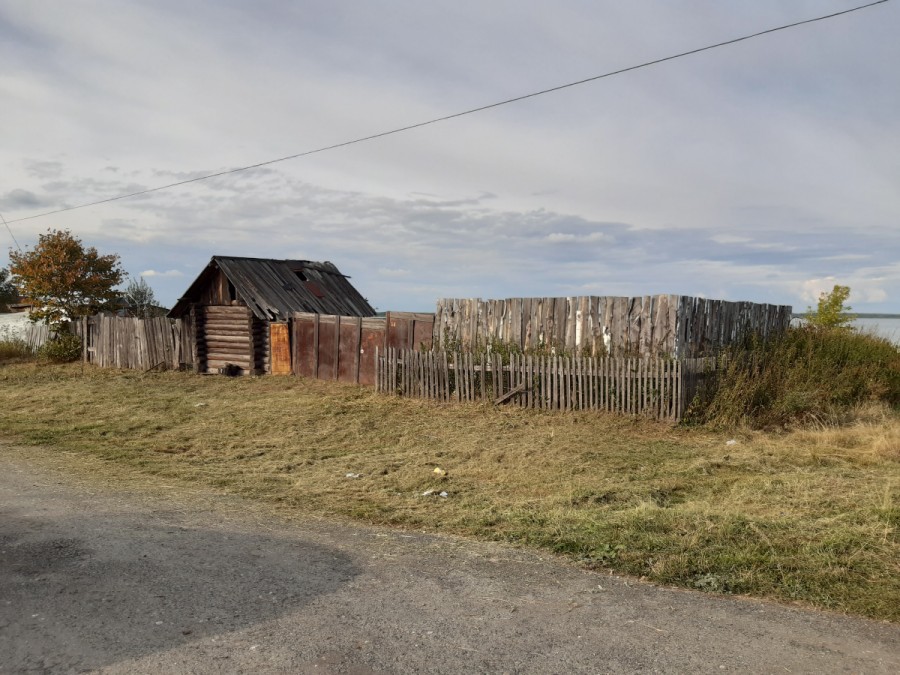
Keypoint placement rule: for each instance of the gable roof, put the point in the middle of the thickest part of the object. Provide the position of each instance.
(275, 289)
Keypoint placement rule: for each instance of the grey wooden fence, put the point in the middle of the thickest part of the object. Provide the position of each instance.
(32, 335)
(647, 326)
(657, 387)
(142, 344)
(35, 335)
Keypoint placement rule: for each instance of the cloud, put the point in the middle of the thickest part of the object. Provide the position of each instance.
(870, 295)
(556, 237)
(865, 290)
(386, 243)
(24, 199)
(394, 273)
(167, 273)
(43, 169)
(812, 289)
(745, 173)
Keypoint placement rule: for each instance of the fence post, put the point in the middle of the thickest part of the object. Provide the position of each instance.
(357, 358)
(84, 340)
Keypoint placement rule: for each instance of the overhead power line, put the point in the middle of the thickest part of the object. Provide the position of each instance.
(10, 233)
(471, 111)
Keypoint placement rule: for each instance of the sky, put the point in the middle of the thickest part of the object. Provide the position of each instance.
(767, 171)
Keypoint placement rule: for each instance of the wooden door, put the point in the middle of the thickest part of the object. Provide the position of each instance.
(280, 348)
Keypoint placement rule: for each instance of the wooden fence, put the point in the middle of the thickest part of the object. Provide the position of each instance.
(34, 336)
(142, 344)
(659, 388)
(648, 326)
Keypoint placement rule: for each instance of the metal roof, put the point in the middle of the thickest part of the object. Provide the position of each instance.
(275, 289)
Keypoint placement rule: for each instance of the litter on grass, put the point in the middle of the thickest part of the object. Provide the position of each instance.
(428, 493)
(353, 475)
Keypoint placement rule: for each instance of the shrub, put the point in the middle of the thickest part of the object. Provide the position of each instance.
(832, 310)
(62, 347)
(810, 374)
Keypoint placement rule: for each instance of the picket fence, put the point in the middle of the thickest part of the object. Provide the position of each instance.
(657, 388)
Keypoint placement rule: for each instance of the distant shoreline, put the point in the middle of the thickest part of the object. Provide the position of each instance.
(858, 315)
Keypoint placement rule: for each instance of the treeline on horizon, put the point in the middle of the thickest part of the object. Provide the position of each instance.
(856, 315)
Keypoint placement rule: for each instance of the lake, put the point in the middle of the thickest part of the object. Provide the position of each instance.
(885, 327)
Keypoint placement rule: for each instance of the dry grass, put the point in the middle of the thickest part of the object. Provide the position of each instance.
(810, 516)
(13, 349)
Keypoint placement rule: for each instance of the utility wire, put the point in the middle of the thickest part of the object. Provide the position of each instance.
(455, 115)
(10, 232)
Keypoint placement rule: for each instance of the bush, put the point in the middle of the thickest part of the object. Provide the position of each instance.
(832, 311)
(63, 347)
(810, 374)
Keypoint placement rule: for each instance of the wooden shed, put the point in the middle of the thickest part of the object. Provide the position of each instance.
(240, 310)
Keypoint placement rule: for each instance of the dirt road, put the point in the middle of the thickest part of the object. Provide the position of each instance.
(145, 576)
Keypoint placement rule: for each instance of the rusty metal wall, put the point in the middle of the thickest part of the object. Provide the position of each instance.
(343, 348)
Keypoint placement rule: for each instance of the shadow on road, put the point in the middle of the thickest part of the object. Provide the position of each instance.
(83, 592)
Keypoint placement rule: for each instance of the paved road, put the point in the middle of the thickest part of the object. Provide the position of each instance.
(174, 579)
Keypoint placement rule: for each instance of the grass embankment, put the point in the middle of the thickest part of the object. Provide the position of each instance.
(810, 516)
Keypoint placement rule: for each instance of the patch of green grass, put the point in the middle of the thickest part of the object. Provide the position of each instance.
(807, 516)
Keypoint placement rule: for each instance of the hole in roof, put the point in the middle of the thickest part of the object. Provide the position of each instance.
(300, 274)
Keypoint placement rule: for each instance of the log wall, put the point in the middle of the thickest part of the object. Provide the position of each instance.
(228, 335)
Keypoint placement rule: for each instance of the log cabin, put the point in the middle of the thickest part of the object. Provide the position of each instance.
(240, 310)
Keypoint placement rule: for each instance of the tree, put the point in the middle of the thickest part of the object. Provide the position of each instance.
(64, 279)
(141, 298)
(831, 312)
(8, 292)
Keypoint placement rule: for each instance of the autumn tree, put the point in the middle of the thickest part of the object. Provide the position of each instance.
(8, 293)
(65, 279)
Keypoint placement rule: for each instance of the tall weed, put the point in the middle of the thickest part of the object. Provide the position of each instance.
(12, 347)
(808, 375)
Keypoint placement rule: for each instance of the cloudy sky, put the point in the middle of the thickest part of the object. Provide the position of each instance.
(767, 171)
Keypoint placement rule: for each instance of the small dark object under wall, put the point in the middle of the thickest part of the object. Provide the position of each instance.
(230, 370)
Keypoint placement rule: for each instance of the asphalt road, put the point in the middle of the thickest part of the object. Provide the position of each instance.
(140, 576)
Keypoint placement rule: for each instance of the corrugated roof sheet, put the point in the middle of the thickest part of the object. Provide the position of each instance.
(275, 289)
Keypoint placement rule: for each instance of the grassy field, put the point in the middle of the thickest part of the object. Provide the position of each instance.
(807, 516)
